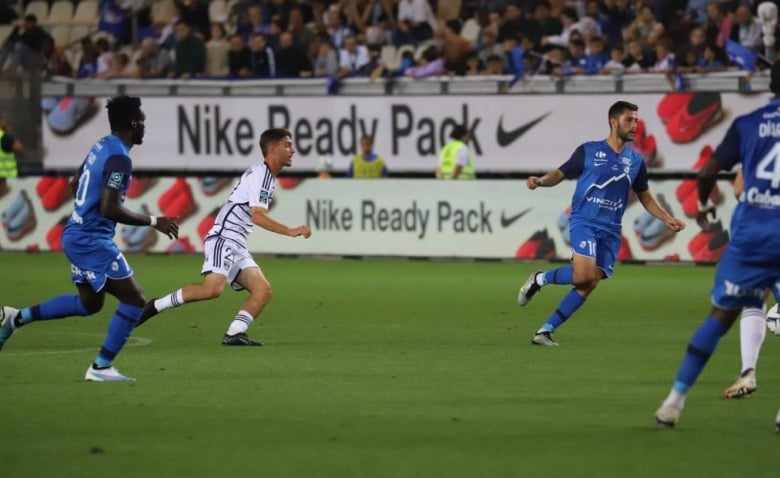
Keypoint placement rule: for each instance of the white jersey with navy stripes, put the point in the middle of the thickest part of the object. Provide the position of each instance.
(254, 189)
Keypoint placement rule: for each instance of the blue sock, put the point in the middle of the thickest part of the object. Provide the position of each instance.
(700, 347)
(66, 305)
(569, 305)
(119, 329)
(559, 276)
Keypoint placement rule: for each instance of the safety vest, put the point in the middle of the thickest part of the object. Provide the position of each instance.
(362, 169)
(449, 158)
(7, 161)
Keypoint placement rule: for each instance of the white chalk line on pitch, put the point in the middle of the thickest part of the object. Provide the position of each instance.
(131, 342)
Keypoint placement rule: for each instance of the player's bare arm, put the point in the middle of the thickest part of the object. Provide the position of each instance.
(111, 207)
(261, 218)
(648, 201)
(705, 182)
(550, 179)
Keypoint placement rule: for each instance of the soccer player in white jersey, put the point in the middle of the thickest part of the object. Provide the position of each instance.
(227, 258)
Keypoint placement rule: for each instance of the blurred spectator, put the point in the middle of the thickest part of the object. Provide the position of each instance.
(577, 60)
(456, 48)
(596, 57)
(24, 44)
(645, 29)
(367, 164)
(542, 24)
(619, 12)
(490, 46)
(253, 22)
(615, 64)
(374, 61)
(712, 59)
(190, 53)
(413, 22)
(513, 23)
(118, 67)
(302, 36)
(697, 38)
(364, 15)
(638, 56)
(326, 63)
(474, 65)
(664, 58)
(7, 14)
(195, 13)
(113, 20)
(54, 61)
(153, 62)
(291, 62)
(717, 26)
(514, 55)
(569, 23)
(239, 58)
(696, 10)
(494, 65)
(87, 67)
(104, 54)
(337, 31)
(746, 29)
(554, 62)
(687, 60)
(351, 58)
(217, 48)
(430, 64)
(609, 31)
(263, 59)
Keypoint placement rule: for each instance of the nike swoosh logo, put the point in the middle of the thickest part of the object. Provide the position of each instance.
(505, 138)
(508, 221)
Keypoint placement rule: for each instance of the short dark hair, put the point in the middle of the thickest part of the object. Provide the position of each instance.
(458, 132)
(271, 136)
(31, 18)
(620, 107)
(122, 111)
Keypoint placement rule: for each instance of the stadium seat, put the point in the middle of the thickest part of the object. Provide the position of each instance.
(61, 12)
(389, 55)
(61, 35)
(218, 11)
(400, 52)
(470, 31)
(448, 10)
(77, 32)
(86, 13)
(422, 47)
(163, 11)
(40, 9)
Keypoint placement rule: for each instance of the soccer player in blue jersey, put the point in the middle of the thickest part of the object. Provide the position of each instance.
(97, 265)
(606, 172)
(751, 261)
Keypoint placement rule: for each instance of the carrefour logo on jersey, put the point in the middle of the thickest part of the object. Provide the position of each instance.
(415, 218)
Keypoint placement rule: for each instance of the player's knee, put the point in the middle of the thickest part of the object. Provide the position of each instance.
(91, 305)
(585, 283)
(264, 294)
(212, 291)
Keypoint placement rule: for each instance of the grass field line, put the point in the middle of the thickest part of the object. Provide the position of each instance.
(132, 342)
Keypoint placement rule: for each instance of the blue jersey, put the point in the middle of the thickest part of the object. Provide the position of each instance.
(604, 180)
(107, 165)
(754, 140)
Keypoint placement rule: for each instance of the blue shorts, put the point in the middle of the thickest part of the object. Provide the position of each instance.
(95, 264)
(741, 284)
(600, 244)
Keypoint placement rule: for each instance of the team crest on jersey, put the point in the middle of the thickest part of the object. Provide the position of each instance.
(626, 164)
(115, 180)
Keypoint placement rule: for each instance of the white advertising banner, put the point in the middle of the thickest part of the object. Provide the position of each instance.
(413, 218)
(510, 133)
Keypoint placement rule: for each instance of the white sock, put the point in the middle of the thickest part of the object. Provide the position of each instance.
(174, 299)
(240, 323)
(539, 279)
(752, 330)
(675, 398)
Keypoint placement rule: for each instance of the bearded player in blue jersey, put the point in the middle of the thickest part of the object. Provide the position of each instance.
(97, 265)
(606, 172)
(751, 261)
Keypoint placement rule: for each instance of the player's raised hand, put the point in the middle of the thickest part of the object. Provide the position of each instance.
(304, 231)
(168, 226)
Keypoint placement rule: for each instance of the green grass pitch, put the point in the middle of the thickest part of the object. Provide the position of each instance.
(381, 368)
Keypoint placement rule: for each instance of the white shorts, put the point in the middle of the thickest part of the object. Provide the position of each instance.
(226, 258)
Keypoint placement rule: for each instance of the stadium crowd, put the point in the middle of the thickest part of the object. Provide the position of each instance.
(385, 38)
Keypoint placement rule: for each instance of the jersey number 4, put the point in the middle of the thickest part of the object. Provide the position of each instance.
(769, 166)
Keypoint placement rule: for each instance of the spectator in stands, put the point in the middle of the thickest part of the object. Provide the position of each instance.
(542, 24)
(577, 60)
(367, 164)
(302, 36)
(351, 58)
(606, 29)
(413, 22)
(365, 15)
(430, 64)
(190, 53)
(291, 62)
(712, 59)
(374, 61)
(87, 67)
(24, 44)
(253, 22)
(489, 45)
(596, 57)
(326, 63)
(615, 64)
(513, 23)
(113, 20)
(717, 25)
(664, 58)
(239, 58)
(118, 67)
(455, 49)
(638, 59)
(696, 10)
(687, 60)
(337, 30)
(494, 65)
(569, 23)
(195, 13)
(619, 12)
(697, 39)
(153, 61)
(217, 48)
(263, 57)
(746, 30)
(55, 63)
(474, 65)
(104, 54)
(554, 62)
(645, 29)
